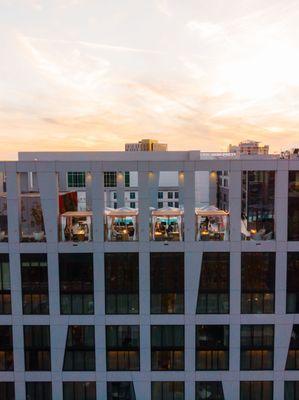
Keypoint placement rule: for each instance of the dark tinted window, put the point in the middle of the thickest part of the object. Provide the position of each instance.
(5, 295)
(76, 283)
(6, 348)
(35, 283)
(79, 391)
(293, 353)
(167, 347)
(293, 206)
(122, 283)
(209, 390)
(37, 348)
(258, 283)
(122, 344)
(257, 347)
(167, 283)
(213, 293)
(293, 283)
(212, 347)
(168, 391)
(120, 391)
(38, 391)
(80, 348)
(7, 391)
(256, 390)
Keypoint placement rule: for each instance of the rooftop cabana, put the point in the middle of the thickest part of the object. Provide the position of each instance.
(76, 226)
(121, 224)
(211, 223)
(167, 224)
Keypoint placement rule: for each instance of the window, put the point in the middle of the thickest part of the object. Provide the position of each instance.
(293, 206)
(122, 343)
(80, 349)
(258, 189)
(167, 347)
(160, 195)
(6, 348)
(293, 283)
(132, 205)
(257, 347)
(176, 204)
(37, 348)
(160, 204)
(7, 391)
(168, 391)
(291, 390)
(110, 179)
(213, 293)
(76, 179)
(79, 391)
(212, 347)
(170, 195)
(170, 204)
(132, 195)
(209, 390)
(256, 390)
(38, 390)
(176, 195)
(120, 391)
(293, 354)
(167, 283)
(5, 295)
(127, 178)
(76, 283)
(35, 291)
(122, 283)
(258, 283)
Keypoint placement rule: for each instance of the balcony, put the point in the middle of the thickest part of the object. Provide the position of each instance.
(121, 224)
(167, 224)
(211, 224)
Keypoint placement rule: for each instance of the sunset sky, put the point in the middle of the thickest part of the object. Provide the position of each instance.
(196, 74)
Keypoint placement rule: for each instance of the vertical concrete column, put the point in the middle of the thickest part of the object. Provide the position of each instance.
(281, 205)
(13, 204)
(280, 283)
(187, 180)
(144, 310)
(235, 203)
(49, 192)
(54, 286)
(144, 203)
(235, 309)
(120, 189)
(97, 202)
(154, 177)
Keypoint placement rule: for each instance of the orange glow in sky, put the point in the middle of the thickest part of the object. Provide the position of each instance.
(196, 74)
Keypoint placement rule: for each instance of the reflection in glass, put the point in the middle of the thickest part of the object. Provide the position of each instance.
(257, 219)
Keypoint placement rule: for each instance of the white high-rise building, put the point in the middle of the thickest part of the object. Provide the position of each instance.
(196, 299)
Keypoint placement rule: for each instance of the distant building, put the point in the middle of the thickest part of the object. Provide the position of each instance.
(146, 145)
(249, 147)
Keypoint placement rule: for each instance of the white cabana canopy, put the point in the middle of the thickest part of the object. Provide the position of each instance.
(210, 211)
(121, 212)
(77, 214)
(167, 212)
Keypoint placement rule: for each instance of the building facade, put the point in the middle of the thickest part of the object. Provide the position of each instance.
(193, 301)
(146, 145)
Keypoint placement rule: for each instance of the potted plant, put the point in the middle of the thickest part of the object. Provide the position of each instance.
(38, 222)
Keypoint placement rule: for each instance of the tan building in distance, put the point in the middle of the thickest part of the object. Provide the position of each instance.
(249, 147)
(146, 145)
